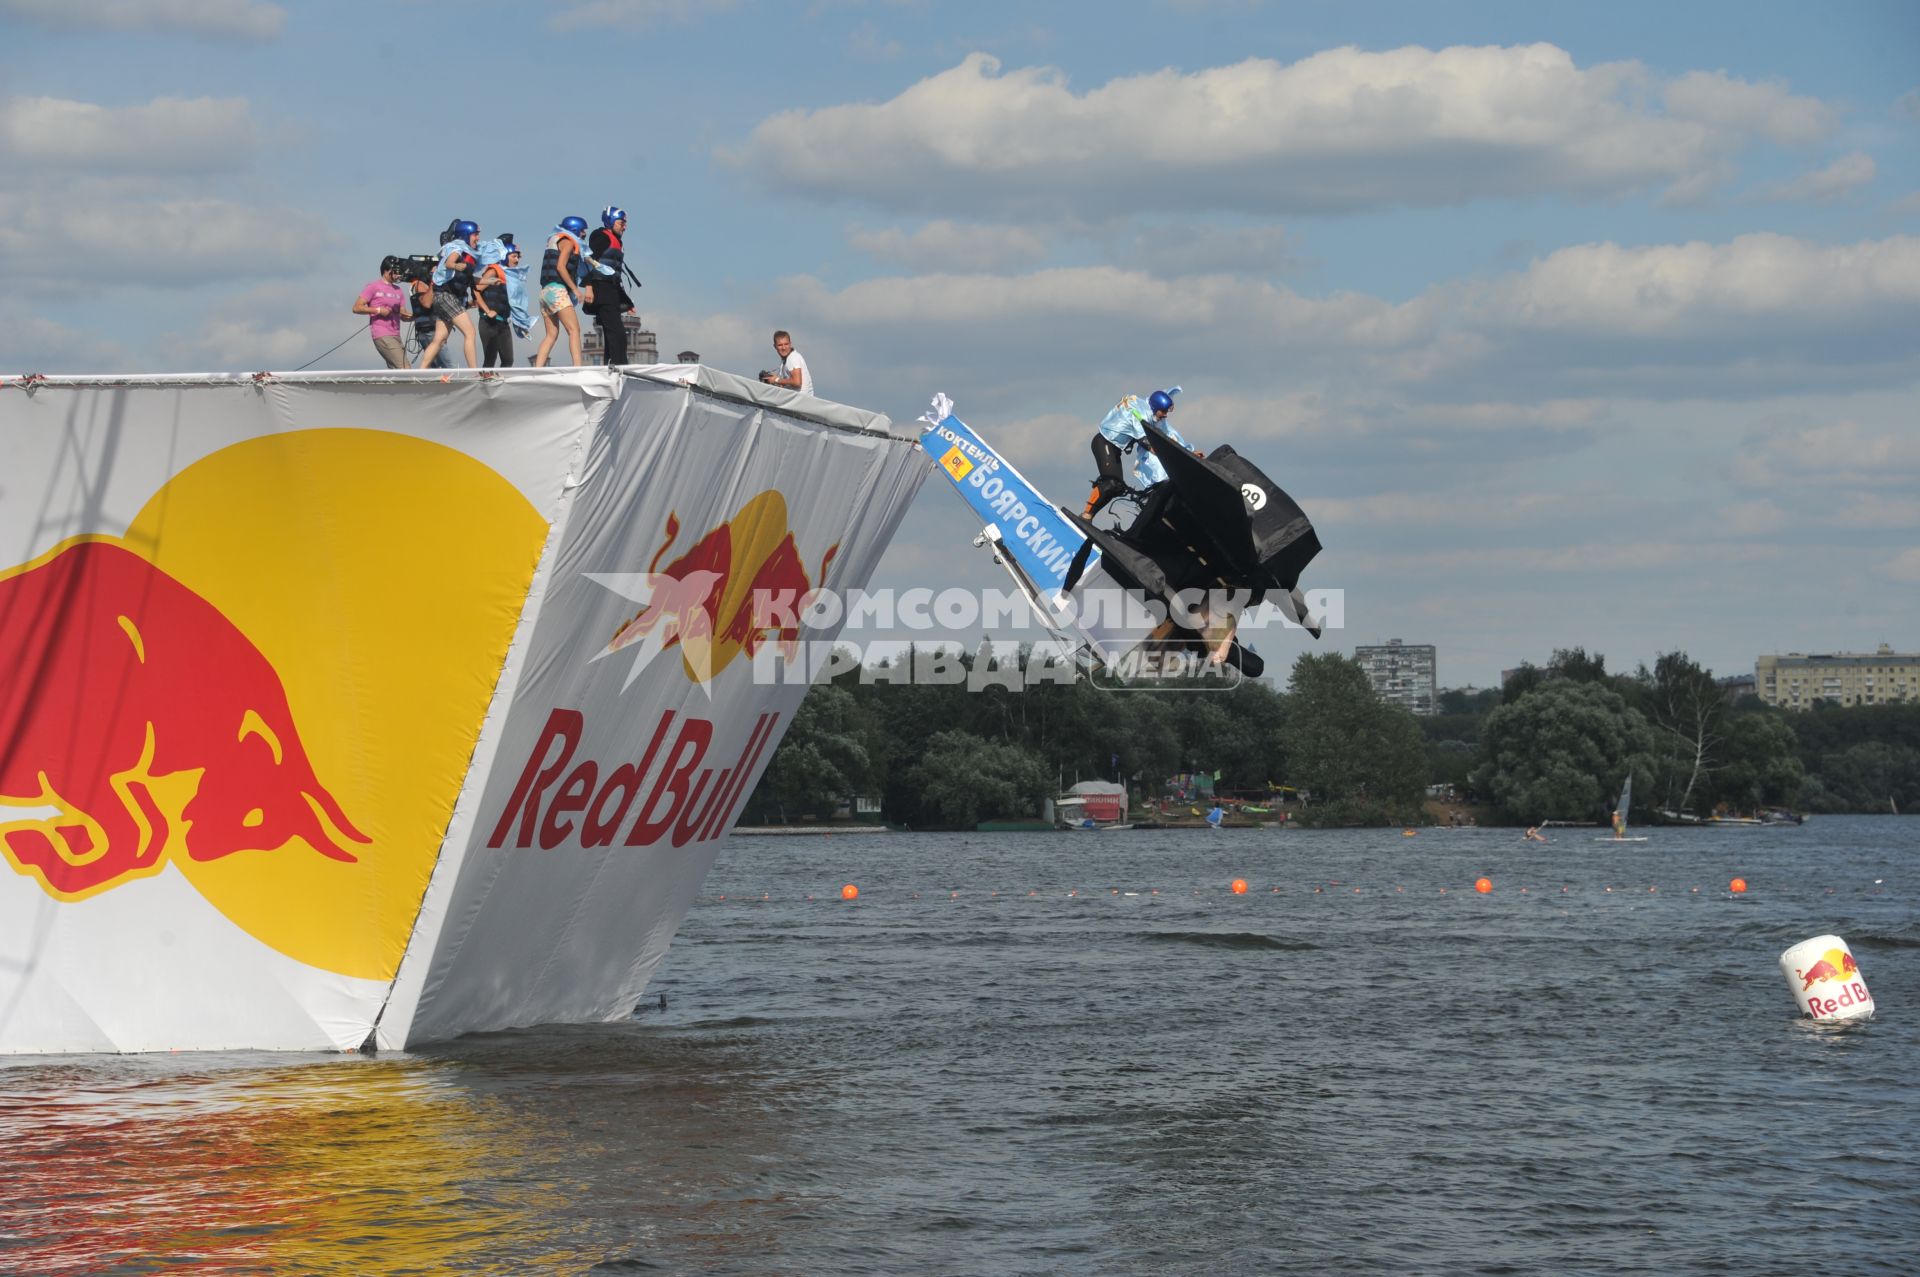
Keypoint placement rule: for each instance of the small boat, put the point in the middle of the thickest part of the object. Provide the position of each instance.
(1096, 827)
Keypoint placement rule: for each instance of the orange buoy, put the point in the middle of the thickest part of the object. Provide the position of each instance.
(1239, 886)
(1483, 885)
(1406, 833)
(849, 892)
(1737, 886)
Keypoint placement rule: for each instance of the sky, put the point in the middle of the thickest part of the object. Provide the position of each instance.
(1567, 324)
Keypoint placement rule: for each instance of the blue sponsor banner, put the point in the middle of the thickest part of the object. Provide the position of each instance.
(1041, 541)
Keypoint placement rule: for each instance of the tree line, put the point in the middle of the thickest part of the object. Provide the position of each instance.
(1554, 744)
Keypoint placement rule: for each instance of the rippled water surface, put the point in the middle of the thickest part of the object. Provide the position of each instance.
(1082, 1054)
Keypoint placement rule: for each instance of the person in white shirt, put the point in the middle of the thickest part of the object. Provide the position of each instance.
(793, 374)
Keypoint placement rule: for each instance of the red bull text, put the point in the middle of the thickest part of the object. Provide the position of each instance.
(557, 801)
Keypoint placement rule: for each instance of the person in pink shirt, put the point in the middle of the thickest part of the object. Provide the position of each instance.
(385, 306)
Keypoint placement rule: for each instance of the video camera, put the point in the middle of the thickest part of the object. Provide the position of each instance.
(416, 267)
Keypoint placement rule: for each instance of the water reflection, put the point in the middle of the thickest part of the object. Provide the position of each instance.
(554, 1150)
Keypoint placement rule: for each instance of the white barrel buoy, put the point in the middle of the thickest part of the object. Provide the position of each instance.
(1825, 979)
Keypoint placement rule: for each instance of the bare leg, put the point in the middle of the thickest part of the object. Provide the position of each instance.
(464, 322)
(549, 333)
(433, 347)
(571, 318)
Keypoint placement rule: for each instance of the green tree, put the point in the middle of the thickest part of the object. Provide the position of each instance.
(822, 762)
(962, 780)
(1361, 757)
(1758, 764)
(1689, 713)
(1561, 752)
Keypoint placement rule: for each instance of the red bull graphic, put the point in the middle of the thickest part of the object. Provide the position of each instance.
(741, 585)
(557, 801)
(1825, 979)
(131, 691)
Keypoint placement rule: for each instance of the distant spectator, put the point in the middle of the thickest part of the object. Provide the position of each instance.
(452, 294)
(385, 306)
(610, 305)
(794, 373)
(561, 270)
(496, 319)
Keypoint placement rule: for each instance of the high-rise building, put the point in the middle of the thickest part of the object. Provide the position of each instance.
(1403, 673)
(1797, 680)
(643, 347)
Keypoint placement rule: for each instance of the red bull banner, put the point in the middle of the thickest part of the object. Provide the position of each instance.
(354, 700)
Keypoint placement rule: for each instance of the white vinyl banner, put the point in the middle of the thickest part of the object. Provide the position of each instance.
(277, 653)
(638, 725)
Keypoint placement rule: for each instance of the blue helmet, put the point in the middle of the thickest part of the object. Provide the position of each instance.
(1162, 400)
(465, 230)
(578, 225)
(612, 213)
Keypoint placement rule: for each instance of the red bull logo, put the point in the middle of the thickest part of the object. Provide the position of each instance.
(249, 692)
(557, 801)
(1832, 984)
(739, 587)
(138, 708)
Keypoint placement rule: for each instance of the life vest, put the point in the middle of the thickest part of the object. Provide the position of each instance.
(493, 289)
(550, 260)
(453, 273)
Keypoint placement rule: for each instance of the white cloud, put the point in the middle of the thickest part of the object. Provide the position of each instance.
(1750, 518)
(1905, 566)
(1839, 454)
(273, 326)
(1842, 177)
(1874, 510)
(172, 136)
(182, 241)
(633, 15)
(34, 343)
(243, 21)
(1208, 250)
(1342, 129)
(1699, 289)
(960, 247)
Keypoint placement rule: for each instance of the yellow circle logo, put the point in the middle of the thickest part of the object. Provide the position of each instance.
(277, 678)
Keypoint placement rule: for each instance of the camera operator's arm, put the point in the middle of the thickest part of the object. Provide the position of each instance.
(360, 307)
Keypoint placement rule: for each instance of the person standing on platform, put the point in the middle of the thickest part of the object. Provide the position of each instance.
(490, 293)
(610, 305)
(561, 270)
(794, 373)
(385, 306)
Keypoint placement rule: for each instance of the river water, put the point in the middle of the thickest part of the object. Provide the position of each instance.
(1061, 1053)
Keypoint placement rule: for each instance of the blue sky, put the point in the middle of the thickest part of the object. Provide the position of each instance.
(1568, 324)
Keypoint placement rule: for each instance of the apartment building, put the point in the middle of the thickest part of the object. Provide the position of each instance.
(1403, 673)
(1798, 679)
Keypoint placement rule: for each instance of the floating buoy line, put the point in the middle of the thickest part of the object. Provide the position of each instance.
(1737, 888)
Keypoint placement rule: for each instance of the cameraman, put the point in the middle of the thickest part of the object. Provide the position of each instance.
(452, 291)
(385, 306)
(423, 320)
(610, 304)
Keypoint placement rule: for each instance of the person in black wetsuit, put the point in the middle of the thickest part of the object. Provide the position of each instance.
(610, 304)
(496, 327)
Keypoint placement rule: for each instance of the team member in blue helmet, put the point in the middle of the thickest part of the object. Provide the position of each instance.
(562, 271)
(610, 305)
(453, 294)
(1124, 430)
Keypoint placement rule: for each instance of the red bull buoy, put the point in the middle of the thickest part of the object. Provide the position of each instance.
(1825, 980)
